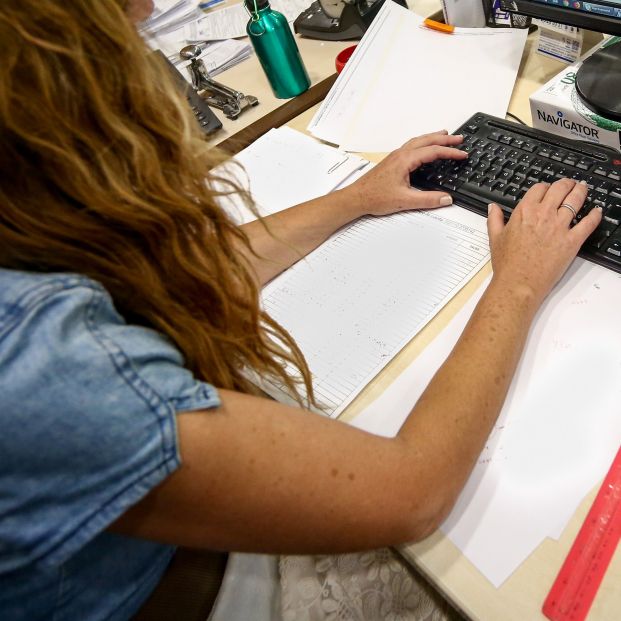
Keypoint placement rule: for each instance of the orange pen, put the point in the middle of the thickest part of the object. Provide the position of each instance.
(439, 26)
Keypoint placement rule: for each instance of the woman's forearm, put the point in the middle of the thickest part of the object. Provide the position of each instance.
(384, 189)
(458, 409)
(285, 237)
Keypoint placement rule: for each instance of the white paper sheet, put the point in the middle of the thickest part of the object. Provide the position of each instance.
(277, 180)
(369, 290)
(556, 435)
(404, 80)
(388, 412)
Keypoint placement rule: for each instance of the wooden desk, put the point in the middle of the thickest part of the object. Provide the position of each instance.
(520, 598)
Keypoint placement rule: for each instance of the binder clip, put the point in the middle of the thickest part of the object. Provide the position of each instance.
(230, 101)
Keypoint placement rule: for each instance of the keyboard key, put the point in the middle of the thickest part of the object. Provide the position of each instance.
(614, 248)
(537, 165)
(451, 183)
(597, 239)
(512, 192)
(584, 163)
(607, 228)
(488, 183)
(613, 214)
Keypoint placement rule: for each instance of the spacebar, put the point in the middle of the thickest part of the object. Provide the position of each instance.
(485, 196)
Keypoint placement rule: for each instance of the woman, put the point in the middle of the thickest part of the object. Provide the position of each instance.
(129, 316)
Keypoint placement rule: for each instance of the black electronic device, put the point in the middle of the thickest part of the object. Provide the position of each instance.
(338, 20)
(205, 116)
(505, 159)
(598, 81)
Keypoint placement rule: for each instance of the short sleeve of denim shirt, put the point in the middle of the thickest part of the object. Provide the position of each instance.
(87, 413)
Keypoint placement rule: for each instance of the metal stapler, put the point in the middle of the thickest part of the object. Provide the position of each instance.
(230, 101)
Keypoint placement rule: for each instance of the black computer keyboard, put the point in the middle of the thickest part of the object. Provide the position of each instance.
(506, 159)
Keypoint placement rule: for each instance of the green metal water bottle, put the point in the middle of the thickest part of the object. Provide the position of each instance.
(276, 49)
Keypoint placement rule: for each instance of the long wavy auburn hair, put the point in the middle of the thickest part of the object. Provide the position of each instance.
(104, 172)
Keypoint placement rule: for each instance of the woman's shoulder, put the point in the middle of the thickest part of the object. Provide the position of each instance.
(22, 292)
(62, 334)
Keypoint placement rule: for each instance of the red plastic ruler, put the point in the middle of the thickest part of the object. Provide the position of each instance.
(577, 582)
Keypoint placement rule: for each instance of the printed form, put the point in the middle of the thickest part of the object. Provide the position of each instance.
(357, 300)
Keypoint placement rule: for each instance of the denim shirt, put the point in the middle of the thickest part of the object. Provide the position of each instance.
(87, 412)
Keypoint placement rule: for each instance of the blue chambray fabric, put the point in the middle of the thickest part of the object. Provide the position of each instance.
(87, 428)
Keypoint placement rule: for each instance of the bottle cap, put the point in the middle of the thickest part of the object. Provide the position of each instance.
(261, 4)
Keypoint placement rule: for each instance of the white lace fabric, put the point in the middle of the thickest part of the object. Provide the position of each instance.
(366, 586)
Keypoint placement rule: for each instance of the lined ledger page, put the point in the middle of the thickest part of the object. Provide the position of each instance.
(358, 299)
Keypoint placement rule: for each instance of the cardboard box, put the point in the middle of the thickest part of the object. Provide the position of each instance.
(557, 108)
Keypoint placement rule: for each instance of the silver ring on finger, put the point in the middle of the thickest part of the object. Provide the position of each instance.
(567, 206)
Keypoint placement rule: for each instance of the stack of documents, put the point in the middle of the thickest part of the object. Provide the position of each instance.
(405, 80)
(284, 168)
(230, 22)
(556, 435)
(170, 15)
(174, 24)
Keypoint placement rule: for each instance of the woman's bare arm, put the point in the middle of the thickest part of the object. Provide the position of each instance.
(285, 237)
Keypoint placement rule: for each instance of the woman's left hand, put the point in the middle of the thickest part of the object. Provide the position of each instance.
(386, 188)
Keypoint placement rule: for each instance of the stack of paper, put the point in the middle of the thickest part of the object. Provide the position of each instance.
(218, 56)
(173, 25)
(284, 168)
(558, 430)
(405, 80)
(170, 15)
(230, 22)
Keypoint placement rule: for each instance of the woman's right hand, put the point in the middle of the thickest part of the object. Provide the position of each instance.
(534, 249)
